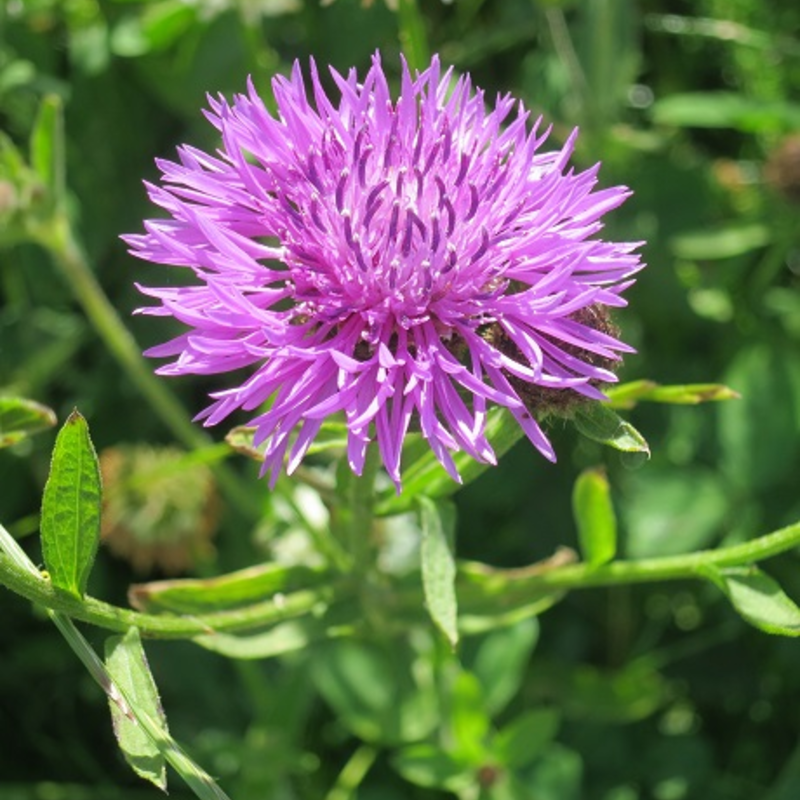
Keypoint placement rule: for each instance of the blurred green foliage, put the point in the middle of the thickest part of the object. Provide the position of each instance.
(622, 694)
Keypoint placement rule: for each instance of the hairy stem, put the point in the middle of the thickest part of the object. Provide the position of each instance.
(483, 590)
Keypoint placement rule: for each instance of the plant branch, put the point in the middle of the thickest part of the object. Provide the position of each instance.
(482, 590)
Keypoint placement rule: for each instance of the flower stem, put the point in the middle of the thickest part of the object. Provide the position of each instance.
(352, 514)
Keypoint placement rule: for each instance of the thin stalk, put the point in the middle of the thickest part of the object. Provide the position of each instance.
(70, 259)
(352, 516)
(198, 780)
(565, 50)
(353, 773)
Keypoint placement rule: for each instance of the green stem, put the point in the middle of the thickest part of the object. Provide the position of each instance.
(201, 783)
(648, 570)
(195, 776)
(164, 626)
(482, 590)
(70, 259)
(353, 515)
(353, 773)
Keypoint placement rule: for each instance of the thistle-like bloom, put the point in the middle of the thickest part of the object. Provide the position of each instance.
(406, 263)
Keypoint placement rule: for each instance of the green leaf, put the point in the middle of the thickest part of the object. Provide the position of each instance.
(225, 592)
(438, 565)
(47, 147)
(594, 516)
(500, 662)
(427, 765)
(20, 418)
(127, 665)
(511, 598)
(379, 694)
(627, 395)
(424, 475)
(725, 110)
(468, 720)
(584, 692)
(413, 37)
(70, 522)
(758, 599)
(285, 638)
(598, 422)
(723, 242)
(557, 775)
(698, 503)
(758, 434)
(523, 739)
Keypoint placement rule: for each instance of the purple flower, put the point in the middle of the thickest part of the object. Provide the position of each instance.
(405, 263)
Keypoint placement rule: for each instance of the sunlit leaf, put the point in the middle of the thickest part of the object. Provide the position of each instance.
(20, 418)
(627, 395)
(724, 242)
(70, 522)
(427, 765)
(725, 110)
(758, 599)
(235, 589)
(598, 422)
(438, 565)
(127, 665)
(594, 516)
(468, 719)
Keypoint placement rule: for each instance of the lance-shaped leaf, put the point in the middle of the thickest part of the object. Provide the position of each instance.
(224, 592)
(127, 665)
(20, 418)
(594, 516)
(627, 395)
(598, 422)
(758, 599)
(521, 741)
(438, 564)
(47, 147)
(70, 523)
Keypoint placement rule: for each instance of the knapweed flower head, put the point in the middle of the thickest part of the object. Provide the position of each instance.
(406, 263)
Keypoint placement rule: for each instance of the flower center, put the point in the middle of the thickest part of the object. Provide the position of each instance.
(392, 230)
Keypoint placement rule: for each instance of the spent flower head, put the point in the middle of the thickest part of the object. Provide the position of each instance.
(405, 263)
